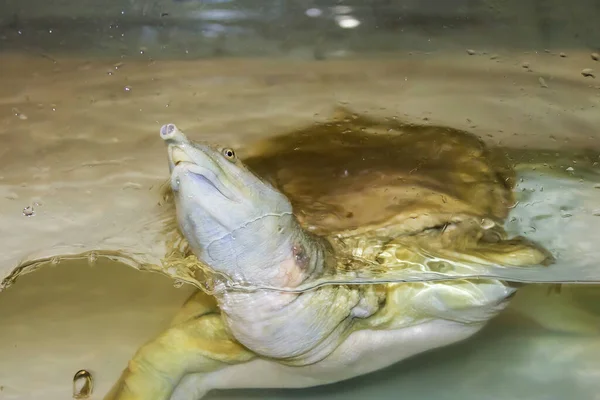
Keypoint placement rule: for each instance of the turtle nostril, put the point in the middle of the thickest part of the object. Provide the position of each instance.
(167, 130)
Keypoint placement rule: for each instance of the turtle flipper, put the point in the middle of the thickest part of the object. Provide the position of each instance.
(199, 344)
(461, 248)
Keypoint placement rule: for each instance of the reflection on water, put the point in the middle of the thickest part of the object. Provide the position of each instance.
(319, 30)
(81, 165)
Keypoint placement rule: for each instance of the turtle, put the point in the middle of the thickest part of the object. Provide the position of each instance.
(269, 226)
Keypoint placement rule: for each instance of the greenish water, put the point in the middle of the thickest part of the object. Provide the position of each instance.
(70, 316)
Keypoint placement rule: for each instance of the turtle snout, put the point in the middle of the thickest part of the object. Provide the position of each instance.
(168, 131)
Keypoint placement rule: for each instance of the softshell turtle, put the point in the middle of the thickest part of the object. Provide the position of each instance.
(411, 198)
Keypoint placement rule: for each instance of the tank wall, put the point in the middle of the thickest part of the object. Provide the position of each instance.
(295, 27)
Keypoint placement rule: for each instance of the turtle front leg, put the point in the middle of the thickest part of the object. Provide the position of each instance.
(197, 345)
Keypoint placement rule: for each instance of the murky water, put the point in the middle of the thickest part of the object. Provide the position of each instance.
(81, 166)
(72, 316)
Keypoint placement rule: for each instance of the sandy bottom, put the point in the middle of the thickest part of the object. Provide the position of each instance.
(78, 142)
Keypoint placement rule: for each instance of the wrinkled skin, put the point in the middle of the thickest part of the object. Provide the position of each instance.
(244, 227)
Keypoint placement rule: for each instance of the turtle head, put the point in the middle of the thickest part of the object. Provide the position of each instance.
(235, 222)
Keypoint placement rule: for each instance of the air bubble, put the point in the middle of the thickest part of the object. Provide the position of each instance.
(19, 114)
(83, 384)
(28, 211)
(92, 258)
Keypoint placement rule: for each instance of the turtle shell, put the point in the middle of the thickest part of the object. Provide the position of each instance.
(357, 174)
(397, 201)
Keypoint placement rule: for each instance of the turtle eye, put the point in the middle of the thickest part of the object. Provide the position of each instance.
(229, 154)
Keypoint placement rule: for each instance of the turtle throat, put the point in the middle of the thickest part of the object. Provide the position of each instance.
(297, 328)
(272, 251)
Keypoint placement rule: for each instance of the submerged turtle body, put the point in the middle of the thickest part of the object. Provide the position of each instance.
(397, 197)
